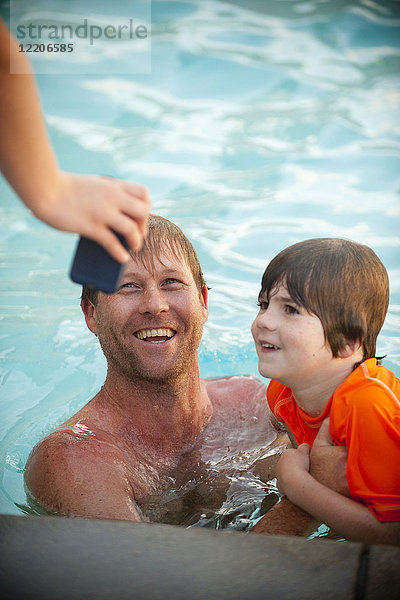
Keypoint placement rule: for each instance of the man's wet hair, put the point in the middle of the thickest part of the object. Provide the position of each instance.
(342, 282)
(162, 236)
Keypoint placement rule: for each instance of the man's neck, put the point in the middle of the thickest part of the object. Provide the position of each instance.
(166, 416)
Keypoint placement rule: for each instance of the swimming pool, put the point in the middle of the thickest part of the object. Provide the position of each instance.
(257, 127)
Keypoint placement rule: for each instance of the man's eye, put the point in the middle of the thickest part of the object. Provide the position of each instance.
(172, 284)
(171, 281)
(127, 285)
(262, 305)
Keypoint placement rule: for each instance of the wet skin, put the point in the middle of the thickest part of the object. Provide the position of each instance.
(155, 426)
(175, 487)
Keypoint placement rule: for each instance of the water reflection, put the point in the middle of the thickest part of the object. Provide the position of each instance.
(261, 124)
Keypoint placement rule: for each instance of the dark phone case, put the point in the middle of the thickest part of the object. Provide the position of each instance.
(93, 265)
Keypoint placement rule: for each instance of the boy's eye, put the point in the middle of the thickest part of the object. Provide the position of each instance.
(291, 310)
(262, 305)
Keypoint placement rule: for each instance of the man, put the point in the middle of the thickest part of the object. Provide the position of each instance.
(157, 443)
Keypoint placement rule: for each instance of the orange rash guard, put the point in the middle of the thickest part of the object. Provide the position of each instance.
(364, 415)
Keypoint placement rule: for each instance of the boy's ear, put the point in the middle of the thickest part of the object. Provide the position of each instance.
(350, 348)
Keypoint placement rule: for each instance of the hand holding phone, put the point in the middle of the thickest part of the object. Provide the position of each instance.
(93, 265)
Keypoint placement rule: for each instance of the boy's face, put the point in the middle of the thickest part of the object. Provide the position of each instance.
(290, 342)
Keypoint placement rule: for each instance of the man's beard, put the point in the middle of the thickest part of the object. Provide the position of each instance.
(131, 366)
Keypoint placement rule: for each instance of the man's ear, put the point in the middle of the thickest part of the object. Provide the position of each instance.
(204, 302)
(88, 310)
(350, 348)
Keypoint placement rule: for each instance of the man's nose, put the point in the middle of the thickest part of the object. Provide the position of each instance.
(153, 301)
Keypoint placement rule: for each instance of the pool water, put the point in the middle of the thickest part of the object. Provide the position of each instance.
(260, 124)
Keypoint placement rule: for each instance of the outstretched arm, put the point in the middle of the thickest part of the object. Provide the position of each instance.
(88, 205)
(351, 519)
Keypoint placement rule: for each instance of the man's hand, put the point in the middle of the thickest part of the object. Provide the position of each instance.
(329, 462)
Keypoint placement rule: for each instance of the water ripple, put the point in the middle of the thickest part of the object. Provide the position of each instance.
(254, 130)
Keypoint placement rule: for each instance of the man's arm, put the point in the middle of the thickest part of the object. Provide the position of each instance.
(351, 519)
(87, 478)
(286, 519)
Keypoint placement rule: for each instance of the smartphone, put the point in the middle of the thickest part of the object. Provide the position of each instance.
(93, 265)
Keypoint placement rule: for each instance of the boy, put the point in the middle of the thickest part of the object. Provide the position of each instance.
(322, 305)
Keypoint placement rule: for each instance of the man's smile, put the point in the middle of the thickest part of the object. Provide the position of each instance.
(155, 335)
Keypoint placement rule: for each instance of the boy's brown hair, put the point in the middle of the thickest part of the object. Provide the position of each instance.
(342, 282)
(162, 234)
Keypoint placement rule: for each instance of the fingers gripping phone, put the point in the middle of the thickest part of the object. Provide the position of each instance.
(93, 265)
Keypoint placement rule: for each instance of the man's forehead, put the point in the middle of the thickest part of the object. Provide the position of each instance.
(166, 259)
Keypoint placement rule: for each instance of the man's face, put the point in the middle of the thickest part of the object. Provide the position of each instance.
(151, 328)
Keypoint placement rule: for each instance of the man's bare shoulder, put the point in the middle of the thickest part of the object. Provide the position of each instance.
(65, 445)
(241, 407)
(75, 472)
(243, 394)
(237, 387)
(246, 393)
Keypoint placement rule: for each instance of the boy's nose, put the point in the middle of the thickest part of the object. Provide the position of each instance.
(265, 320)
(153, 301)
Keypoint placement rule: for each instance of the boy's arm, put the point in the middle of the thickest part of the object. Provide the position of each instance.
(329, 468)
(345, 516)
